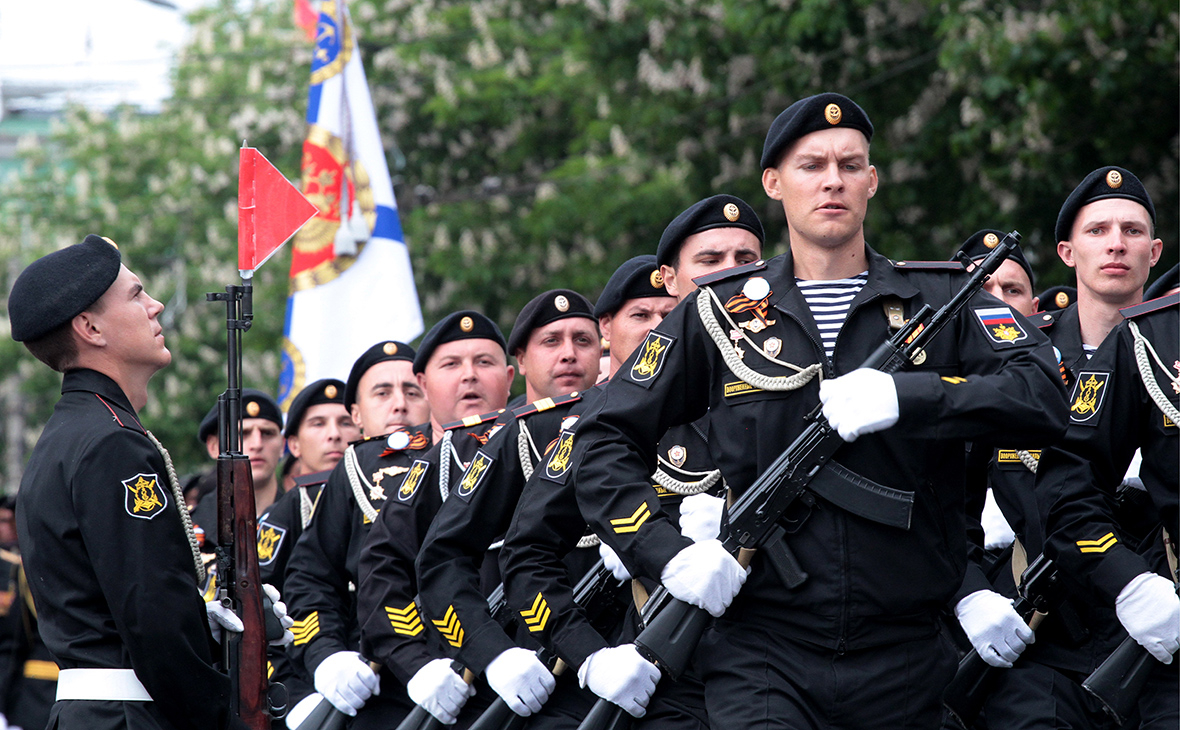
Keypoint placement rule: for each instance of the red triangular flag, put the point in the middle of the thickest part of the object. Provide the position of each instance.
(305, 18)
(270, 209)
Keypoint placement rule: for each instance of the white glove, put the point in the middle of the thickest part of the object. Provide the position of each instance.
(1149, 609)
(345, 680)
(705, 575)
(620, 675)
(221, 618)
(700, 517)
(863, 401)
(439, 690)
(521, 680)
(995, 629)
(612, 562)
(299, 712)
(280, 611)
(3, 722)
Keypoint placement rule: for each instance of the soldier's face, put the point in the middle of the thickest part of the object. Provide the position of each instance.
(466, 378)
(627, 327)
(1010, 285)
(388, 396)
(262, 443)
(824, 182)
(560, 357)
(323, 435)
(125, 320)
(1112, 250)
(708, 251)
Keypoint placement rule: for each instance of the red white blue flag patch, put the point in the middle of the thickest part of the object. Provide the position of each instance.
(1001, 326)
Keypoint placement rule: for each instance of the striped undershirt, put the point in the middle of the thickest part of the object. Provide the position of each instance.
(828, 302)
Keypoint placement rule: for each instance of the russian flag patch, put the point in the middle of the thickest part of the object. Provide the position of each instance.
(1001, 326)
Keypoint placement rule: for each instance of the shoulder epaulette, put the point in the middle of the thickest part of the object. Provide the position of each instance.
(1153, 305)
(310, 480)
(545, 404)
(928, 266)
(1043, 319)
(724, 274)
(473, 420)
(132, 425)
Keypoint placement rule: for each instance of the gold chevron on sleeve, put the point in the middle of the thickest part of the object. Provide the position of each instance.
(954, 380)
(634, 522)
(538, 615)
(450, 628)
(306, 629)
(405, 621)
(1100, 545)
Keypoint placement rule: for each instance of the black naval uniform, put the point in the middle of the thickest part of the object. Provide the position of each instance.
(841, 649)
(28, 674)
(394, 629)
(322, 570)
(1112, 414)
(547, 526)
(110, 567)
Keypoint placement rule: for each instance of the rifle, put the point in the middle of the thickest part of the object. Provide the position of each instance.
(239, 586)
(804, 469)
(1039, 594)
(593, 593)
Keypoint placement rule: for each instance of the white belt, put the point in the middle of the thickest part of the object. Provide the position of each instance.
(119, 685)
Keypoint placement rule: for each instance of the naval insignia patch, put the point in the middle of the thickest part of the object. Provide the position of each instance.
(474, 476)
(413, 480)
(559, 458)
(270, 539)
(1000, 326)
(1089, 393)
(650, 359)
(144, 498)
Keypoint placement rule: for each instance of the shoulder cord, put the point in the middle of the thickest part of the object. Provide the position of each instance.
(1029, 461)
(305, 506)
(359, 483)
(1142, 347)
(672, 484)
(526, 448)
(181, 507)
(735, 364)
(446, 452)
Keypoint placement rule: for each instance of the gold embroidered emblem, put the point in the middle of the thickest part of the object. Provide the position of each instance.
(656, 279)
(1114, 179)
(474, 474)
(833, 114)
(560, 460)
(1006, 333)
(253, 409)
(651, 358)
(731, 212)
(412, 480)
(269, 539)
(144, 498)
(1086, 402)
(390, 348)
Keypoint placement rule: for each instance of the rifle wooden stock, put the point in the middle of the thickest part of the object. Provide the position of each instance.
(1119, 680)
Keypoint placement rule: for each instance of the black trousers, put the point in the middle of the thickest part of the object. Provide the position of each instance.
(757, 679)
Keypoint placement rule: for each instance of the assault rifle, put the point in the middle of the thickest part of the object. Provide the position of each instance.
(239, 587)
(805, 468)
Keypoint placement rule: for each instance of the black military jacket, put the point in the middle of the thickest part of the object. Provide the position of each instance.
(474, 518)
(322, 571)
(990, 377)
(393, 628)
(28, 673)
(1112, 414)
(547, 526)
(282, 524)
(109, 565)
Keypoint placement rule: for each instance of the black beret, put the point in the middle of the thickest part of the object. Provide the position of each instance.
(718, 211)
(325, 390)
(1057, 297)
(549, 307)
(815, 113)
(382, 351)
(59, 286)
(255, 404)
(463, 325)
(1167, 281)
(981, 244)
(1103, 183)
(636, 278)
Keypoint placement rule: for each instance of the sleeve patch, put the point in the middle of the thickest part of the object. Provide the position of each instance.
(954, 380)
(1001, 326)
(1088, 397)
(413, 480)
(536, 616)
(633, 522)
(649, 361)
(558, 464)
(144, 498)
(474, 476)
(450, 628)
(270, 539)
(1101, 545)
(306, 629)
(405, 621)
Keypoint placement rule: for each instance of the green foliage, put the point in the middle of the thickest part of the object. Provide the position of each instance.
(540, 144)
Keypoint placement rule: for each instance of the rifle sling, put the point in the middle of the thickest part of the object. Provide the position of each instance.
(863, 497)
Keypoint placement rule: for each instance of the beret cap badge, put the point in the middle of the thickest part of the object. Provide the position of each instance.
(657, 279)
(466, 324)
(561, 303)
(1114, 179)
(991, 240)
(1062, 299)
(731, 212)
(330, 391)
(833, 113)
(252, 409)
(390, 348)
